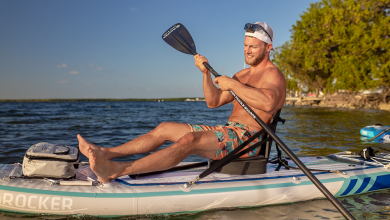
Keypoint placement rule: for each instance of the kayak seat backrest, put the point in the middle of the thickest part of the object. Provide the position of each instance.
(257, 164)
(266, 148)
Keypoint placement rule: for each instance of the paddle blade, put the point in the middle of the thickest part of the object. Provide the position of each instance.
(179, 38)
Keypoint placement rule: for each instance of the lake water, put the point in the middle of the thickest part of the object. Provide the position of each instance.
(308, 131)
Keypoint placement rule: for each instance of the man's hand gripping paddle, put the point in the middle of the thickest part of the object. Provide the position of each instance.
(179, 38)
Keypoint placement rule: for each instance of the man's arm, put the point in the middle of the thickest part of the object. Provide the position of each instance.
(214, 97)
(265, 96)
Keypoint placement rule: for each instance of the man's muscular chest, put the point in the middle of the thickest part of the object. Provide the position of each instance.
(252, 80)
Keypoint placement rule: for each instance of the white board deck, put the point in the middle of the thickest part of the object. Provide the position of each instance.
(165, 193)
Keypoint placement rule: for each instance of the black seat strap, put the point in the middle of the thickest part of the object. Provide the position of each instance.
(279, 160)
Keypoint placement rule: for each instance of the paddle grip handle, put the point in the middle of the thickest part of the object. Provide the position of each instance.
(211, 69)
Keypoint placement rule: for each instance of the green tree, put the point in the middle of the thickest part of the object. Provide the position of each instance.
(340, 44)
(282, 61)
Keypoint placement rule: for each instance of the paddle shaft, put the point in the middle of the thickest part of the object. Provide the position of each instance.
(304, 169)
(379, 134)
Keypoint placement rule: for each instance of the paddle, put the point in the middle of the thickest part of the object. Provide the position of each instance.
(179, 38)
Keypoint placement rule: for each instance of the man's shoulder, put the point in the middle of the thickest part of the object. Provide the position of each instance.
(272, 75)
(273, 72)
(272, 69)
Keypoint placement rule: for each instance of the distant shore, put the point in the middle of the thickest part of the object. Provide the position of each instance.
(101, 100)
(334, 100)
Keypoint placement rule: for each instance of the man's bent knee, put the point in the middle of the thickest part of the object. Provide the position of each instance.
(162, 127)
(188, 139)
(188, 142)
(170, 131)
(204, 144)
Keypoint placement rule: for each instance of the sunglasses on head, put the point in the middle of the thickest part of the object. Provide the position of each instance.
(256, 27)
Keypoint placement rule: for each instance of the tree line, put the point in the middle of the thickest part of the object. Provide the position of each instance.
(338, 44)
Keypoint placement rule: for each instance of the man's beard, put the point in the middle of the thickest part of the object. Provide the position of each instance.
(258, 59)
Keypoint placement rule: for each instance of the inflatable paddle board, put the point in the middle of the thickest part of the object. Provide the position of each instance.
(166, 193)
(373, 130)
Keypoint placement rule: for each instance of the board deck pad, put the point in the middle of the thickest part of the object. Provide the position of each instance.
(177, 177)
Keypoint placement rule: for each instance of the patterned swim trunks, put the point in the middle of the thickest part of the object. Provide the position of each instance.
(230, 136)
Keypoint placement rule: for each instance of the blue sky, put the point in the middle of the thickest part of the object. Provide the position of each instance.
(113, 49)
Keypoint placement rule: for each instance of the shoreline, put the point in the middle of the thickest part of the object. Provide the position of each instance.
(338, 100)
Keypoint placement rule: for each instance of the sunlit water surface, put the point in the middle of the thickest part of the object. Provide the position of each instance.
(308, 131)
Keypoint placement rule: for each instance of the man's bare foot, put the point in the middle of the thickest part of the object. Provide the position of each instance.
(101, 166)
(85, 145)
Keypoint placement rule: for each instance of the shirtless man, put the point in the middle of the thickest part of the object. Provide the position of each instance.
(262, 87)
